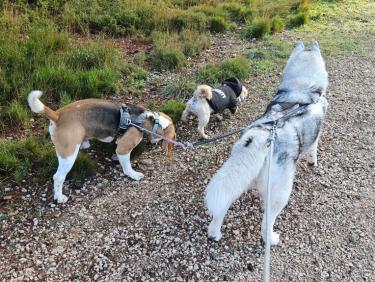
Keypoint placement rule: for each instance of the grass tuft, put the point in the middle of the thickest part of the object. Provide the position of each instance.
(173, 108)
(215, 73)
(258, 28)
(217, 24)
(167, 58)
(277, 24)
(297, 20)
(180, 89)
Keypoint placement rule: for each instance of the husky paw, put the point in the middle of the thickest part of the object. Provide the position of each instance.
(275, 238)
(312, 163)
(61, 199)
(311, 160)
(214, 233)
(205, 136)
(135, 175)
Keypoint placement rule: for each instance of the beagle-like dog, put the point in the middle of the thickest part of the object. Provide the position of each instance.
(73, 125)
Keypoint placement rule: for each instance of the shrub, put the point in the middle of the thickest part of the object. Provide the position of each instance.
(151, 105)
(193, 42)
(258, 28)
(217, 24)
(181, 89)
(277, 24)
(235, 11)
(189, 20)
(216, 72)
(167, 58)
(134, 78)
(173, 108)
(140, 58)
(297, 20)
(17, 114)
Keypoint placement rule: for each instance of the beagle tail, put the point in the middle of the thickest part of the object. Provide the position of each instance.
(38, 107)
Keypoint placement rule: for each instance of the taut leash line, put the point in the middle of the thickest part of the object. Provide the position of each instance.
(267, 251)
(187, 145)
(176, 143)
(213, 139)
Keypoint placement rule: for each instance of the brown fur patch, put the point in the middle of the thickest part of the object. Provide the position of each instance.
(127, 142)
(51, 114)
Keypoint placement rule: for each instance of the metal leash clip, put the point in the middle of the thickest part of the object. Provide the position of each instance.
(272, 135)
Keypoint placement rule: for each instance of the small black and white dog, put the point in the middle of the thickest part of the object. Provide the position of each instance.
(207, 100)
(299, 107)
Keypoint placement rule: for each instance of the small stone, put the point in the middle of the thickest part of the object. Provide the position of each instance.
(146, 161)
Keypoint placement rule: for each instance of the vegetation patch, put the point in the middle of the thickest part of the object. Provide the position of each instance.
(180, 89)
(258, 28)
(36, 156)
(215, 73)
(168, 58)
(297, 20)
(269, 56)
(173, 108)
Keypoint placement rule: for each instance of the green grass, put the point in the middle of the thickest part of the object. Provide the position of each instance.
(167, 58)
(64, 49)
(258, 28)
(269, 56)
(180, 89)
(347, 27)
(173, 108)
(36, 155)
(215, 73)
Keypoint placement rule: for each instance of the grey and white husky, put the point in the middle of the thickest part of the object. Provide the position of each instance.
(299, 108)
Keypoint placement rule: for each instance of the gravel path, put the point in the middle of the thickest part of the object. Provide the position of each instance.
(114, 229)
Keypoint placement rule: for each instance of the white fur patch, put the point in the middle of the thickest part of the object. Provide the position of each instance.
(108, 139)
(164, 122)
(34, 103)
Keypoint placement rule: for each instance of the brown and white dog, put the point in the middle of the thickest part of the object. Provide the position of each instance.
(73, 125)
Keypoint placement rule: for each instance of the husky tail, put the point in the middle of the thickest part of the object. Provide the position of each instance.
(203, 92)
(38, 107)
(235, 176)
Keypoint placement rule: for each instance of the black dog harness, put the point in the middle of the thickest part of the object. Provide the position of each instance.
(126, 121)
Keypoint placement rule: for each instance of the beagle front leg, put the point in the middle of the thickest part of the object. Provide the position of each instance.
(125, 144)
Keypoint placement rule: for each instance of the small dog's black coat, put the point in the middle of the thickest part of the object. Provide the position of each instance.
(225, 96)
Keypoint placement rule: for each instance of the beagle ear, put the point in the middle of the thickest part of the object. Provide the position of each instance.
(169, 133)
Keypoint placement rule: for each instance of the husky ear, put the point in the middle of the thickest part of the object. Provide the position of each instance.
(315, 45)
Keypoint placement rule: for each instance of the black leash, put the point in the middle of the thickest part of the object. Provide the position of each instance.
(213, 139)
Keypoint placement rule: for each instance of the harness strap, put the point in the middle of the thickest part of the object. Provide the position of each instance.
(156, 124)
(124, 119)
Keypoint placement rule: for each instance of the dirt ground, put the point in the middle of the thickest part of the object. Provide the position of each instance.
(115, 229)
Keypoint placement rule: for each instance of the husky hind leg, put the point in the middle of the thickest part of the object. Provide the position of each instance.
(281, 187)
(235, 176)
